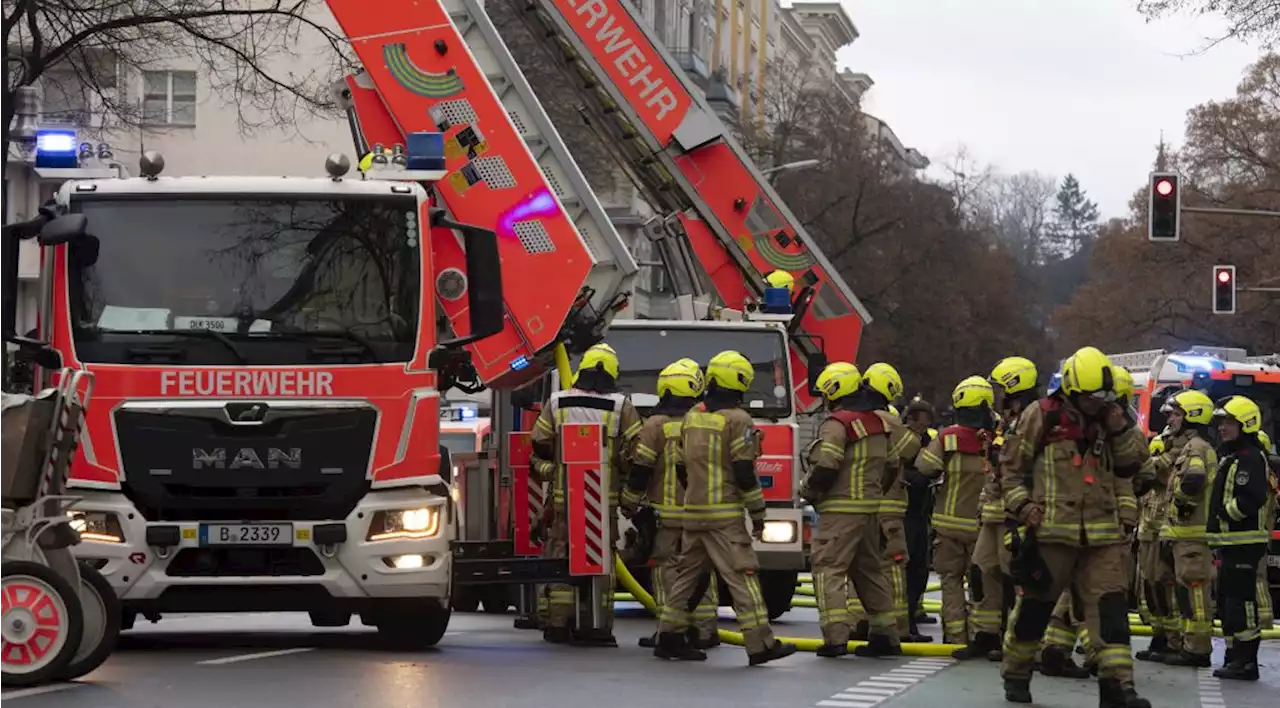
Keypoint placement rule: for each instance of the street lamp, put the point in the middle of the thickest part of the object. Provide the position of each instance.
(798, 165)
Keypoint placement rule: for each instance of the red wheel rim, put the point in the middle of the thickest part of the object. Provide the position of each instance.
(33, 624)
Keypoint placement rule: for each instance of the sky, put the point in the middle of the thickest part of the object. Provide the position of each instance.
(1056, 86)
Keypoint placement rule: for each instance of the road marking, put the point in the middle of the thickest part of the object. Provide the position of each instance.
(256, 655)
(1210, 689)
(38, 690)
(877, 689)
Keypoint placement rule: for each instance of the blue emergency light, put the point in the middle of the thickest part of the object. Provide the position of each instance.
(424, 151)
(57, 149)
(519, 362)
(1191, 363)
(777, 301)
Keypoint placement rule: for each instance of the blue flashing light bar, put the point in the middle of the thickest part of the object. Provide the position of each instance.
(1191, 363)
(1055, 382)
(57, 149)
(519, 363)
(777, 301)
(424, 151)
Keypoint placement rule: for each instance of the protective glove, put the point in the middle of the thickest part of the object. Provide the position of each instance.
(757, 527)
(1185, 505)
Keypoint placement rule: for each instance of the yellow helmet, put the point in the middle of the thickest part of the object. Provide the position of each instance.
(933, 433)
(973, 392)
(1157, 445)
(893, 410)
(883, 379)
(1122, 382)
(1088, 372)
(1265, 440)
(1014, 374)
(367, 161)
(781, 279)
(730, 370)
(1244, 411)
(838, 380)
(600, 356)
(1196, 407)
(682, 378)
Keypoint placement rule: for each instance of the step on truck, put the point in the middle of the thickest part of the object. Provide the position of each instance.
(265, 434)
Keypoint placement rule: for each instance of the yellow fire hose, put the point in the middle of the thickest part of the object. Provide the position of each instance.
(640, 594)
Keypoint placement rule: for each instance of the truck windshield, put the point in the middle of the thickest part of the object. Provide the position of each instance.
(645, 351)
(286, 280)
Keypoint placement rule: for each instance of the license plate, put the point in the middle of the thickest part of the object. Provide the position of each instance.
(1273, 561)
(246, 534)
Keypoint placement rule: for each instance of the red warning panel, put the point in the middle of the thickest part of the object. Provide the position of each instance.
(427, 79)
(776, 466)
(527, 497)
(587, 482)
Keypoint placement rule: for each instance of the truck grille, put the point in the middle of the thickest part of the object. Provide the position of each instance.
(294, 462)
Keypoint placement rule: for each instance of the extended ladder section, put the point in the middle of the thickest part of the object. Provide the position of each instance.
(692, 170)
(440, 66)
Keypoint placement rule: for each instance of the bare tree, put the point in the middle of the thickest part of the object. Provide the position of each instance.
(246, 50)
(1019, 209)
(1247, 20)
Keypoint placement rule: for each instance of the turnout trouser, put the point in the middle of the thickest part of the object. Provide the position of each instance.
(847, 551)
(989, 609)
(951, 559)
(1238, 578)
(1193, 569)
(1161, 589)
(918, 521)
(728, 550)
(1066, 626)
(563, 606)
(1095, 575)
(666, 556)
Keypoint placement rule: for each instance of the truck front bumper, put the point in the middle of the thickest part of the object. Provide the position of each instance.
(179, 570)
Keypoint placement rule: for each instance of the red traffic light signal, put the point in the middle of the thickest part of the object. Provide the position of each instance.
(1165, 203)
(1224, 290)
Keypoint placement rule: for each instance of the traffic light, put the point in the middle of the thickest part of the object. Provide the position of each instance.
(1224, 290)
(1165, 204)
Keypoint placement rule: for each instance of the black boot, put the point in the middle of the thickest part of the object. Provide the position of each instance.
(979, 646)
(1155, 652)
(1113, 695)
(1229, 654)
(832, 651)
(675, 645)
(996, 655)
(527, 623)
(697, 641)
(650, 641)
(877, 645)
(914, 637)
(1243, 665)
(556, 635)
(1054, 661)
(861, 631)
(926, 619)
(1186, 658)
(779, 650)
(594, 638)
(1017, 690)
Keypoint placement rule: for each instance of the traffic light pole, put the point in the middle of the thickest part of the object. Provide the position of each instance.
(1231, 212)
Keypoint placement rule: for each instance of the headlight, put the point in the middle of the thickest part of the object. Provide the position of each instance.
(779, 532)
(405, 523)
(97, 526)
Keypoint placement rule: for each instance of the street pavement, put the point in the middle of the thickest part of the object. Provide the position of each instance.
(280, 661)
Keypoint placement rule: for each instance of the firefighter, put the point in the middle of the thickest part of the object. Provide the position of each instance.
(1155, 569)
(1059, 466)
(594, 398)
(720, 444)
(1239, 527)
(657, 473)
(847, 466)
(919, 419)
(1190, 414)
(960, 452)
(884, 380)
(1014, 381)
(1266, 613)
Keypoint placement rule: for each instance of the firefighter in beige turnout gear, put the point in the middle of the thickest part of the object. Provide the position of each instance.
(1190, 414)
(720, 444)
(960, 453)
(658, 474)
(1059, 469)
(592, 399)
(1155, 564)
(845, 484)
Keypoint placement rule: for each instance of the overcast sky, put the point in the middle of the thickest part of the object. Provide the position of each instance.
(1058, 86)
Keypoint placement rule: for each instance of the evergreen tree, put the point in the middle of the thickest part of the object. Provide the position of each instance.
(1075, 218)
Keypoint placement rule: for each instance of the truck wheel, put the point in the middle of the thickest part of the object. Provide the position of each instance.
(465, 599)
(497, 600)
(102, 621)
(778, 587)
(413, 627)
(41, 622)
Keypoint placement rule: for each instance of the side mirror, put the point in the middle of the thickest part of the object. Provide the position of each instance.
(446, 465)
(815, 363)
(36, 352)
(485, 308)
(64, 229)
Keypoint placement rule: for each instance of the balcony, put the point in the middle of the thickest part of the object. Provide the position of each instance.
(723, 96)
(695, 67)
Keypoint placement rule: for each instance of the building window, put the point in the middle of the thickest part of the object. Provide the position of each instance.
(169, 98)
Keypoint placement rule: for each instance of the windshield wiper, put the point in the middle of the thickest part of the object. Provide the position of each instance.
(216, 336)
(304, 334)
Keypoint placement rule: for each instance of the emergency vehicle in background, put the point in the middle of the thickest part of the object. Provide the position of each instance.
(1219, 372)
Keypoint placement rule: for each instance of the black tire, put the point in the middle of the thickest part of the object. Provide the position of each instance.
(778, 587)
(413, 627)
(69, 630)
(102, 621)
(465, 599)
(496, 600)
